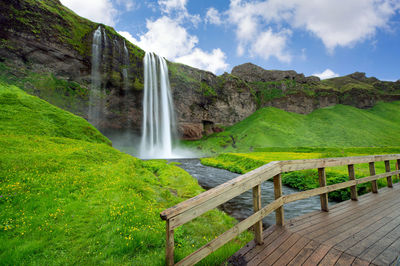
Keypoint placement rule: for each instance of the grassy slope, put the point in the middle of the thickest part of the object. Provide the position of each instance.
(67, 197)
(337, 126)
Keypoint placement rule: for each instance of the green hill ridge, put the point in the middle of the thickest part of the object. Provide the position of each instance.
(337, 126)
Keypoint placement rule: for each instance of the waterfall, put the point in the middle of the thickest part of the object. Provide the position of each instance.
(158, 111)
(125, 69)
(95, 96)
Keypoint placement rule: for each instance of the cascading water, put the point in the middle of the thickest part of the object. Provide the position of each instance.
(95, 102)
(158, 111)
(125, 69)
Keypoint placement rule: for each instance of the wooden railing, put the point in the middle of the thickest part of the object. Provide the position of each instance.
(194, 207)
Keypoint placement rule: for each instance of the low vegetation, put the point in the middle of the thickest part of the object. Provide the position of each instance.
(67, 197)
(303, 180)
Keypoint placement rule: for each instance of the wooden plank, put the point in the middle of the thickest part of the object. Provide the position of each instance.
(389, 255)
(269, 249)
(360, 262)
(258, 226)
(230, 234)
(293, 251)
(345, 259)
(317, 255)
(322, 183)
(278, 232)
(279, 213)
(277, 253)
(269, 170)
(304, 253)
(352, 176)
(398, 168)
(381, 245)
(331, 257)
(295, 165)
(389, 178)
(374, 185)
(169, 251)
(365, 243)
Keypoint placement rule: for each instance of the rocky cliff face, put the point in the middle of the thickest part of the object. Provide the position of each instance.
(46, 49)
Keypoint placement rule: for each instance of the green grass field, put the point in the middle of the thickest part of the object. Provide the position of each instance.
(337, 126)
(67, 197)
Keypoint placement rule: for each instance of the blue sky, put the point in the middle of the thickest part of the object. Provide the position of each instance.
(322, 37)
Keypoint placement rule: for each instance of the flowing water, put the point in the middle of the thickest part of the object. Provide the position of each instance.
(125, 69)
(241, 207)
(159, 125)
(95, 96)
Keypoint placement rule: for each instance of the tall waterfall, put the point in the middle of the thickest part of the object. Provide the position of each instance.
(158, 111)
(95, 101)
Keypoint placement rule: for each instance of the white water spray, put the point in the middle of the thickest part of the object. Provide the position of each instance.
(95, 101)
(159, 125)
(125, 69)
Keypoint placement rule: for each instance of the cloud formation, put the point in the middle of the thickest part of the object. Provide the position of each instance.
(327, 74)
(213, 16)
(101, 11)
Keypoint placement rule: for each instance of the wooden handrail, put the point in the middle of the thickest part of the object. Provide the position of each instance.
(196, 206)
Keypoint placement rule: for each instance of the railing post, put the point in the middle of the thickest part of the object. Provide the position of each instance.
(322, 183)
(279, 213)
(258, 227)
(169, 256)
(372, 172)
(352, 176)
(389, 178)
(397, 168)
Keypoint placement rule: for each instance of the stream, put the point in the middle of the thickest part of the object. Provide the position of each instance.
(241, 206)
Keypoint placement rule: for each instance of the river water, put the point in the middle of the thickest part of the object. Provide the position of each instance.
(241, 207)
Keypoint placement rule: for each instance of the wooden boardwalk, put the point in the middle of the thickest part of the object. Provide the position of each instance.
(363, 232)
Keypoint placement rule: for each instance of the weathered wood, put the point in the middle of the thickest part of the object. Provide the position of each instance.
(295, 165)
(352, 176)
(322, 183)
(254, 177)
(258, 227)
(277, 253)
(293, 251)
(235, 190)
(279, 213)
(374, 184)
(169, 254)
(389, 178)
(398, 168)
(230, 234)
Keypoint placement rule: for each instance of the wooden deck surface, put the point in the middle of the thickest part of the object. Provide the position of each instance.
(363, 232)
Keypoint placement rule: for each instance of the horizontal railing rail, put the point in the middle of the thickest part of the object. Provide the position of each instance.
(190, 209)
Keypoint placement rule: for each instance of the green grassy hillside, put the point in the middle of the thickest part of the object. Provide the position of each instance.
(337, 126)
(67, 197)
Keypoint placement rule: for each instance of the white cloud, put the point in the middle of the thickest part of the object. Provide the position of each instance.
(101, 11)
(166, 37)
(168, 6)
(213, 16)
(327, 74)
(214, 61)
(337, 23)
(129, 5)
(270, 44)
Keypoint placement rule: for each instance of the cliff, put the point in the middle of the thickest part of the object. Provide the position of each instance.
(46, 49)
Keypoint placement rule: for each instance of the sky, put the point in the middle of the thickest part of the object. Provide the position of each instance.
(326, 38)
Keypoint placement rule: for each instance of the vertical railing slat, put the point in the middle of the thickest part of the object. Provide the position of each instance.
(258, 227)
(352, 176)
(374, 184)
(389, 178)
(279, 213)
(322, 183)
(169, 256)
